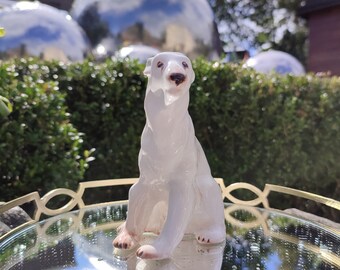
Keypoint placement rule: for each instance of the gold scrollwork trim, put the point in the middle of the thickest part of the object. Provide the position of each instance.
(60, 191)
(77, 197)
(260, 196)
(102, 183)
(302, 194)
(75, 218)
(259, 218)
(31, 197)
(75, 201)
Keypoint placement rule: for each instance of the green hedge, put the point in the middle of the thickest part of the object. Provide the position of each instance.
(254, 128)
(39, 147)
(260, 129)
(106, 103)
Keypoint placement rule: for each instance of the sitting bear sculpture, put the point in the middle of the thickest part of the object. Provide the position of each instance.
(175, 194)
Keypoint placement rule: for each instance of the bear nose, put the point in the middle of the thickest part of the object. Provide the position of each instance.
(178, 78)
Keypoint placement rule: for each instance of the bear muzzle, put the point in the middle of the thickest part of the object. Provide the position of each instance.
(178, 78)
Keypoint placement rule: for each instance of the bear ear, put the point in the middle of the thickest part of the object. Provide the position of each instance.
(147, 70)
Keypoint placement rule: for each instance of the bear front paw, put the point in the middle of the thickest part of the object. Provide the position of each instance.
(124, 240)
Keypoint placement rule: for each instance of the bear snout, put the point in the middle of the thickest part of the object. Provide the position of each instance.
(178, 78)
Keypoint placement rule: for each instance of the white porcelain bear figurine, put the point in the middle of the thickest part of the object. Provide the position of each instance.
(175, 194)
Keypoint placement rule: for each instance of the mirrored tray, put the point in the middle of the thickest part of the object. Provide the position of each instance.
(256, 239)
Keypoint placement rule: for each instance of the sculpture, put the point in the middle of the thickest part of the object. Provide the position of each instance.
(36, 29)
(164, 25)
(176, 193)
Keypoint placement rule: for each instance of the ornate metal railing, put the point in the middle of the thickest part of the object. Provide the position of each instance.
(77, 200)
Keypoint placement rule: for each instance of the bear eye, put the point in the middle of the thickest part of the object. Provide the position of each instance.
(185, 65)
(160, 64)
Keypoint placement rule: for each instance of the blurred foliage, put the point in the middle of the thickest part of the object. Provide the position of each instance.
(39, 147)
(106, 104)
(262, 24)
(269, 129)
(254, 128)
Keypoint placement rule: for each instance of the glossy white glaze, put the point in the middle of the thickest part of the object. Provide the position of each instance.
(176, 193)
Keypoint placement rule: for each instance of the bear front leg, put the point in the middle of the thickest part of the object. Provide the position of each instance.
(131, 230)
(180, 207)
(208, 219)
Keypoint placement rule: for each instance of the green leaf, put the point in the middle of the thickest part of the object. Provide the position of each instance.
(2, 32)
(5, 106)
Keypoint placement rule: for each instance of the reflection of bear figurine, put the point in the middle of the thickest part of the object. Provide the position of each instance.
(187, 255)
(176, 193)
